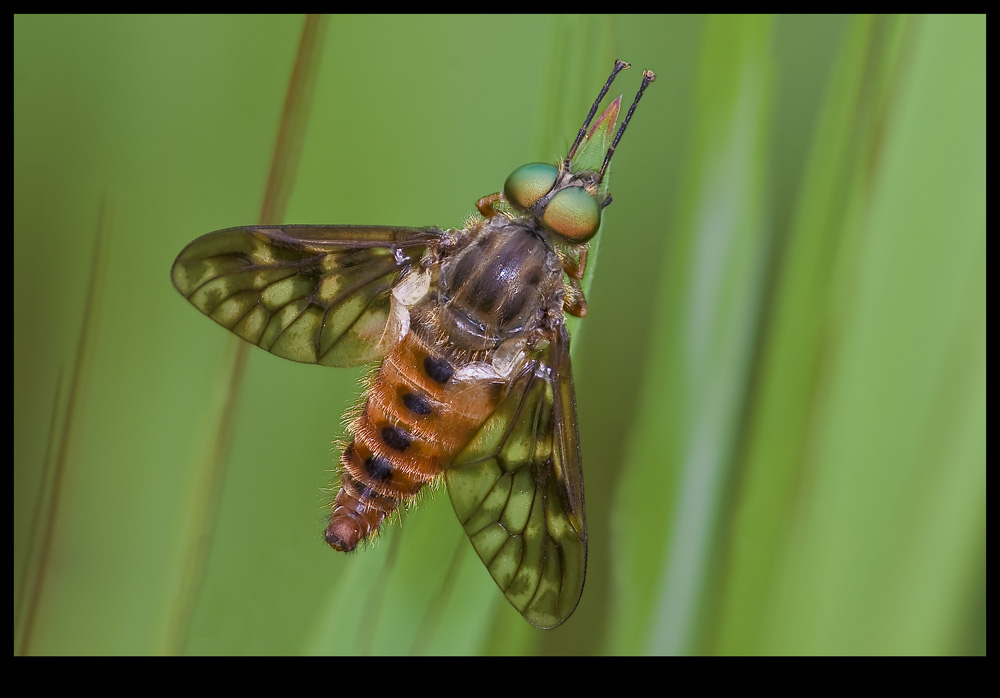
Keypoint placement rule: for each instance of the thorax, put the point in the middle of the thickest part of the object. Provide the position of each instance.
(496, 286)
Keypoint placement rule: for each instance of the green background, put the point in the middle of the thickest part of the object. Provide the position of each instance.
(781, 382)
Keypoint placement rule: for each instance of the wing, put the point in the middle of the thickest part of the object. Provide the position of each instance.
(517, 488)
(309, 293)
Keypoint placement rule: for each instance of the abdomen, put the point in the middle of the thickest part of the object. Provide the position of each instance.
(415, 418)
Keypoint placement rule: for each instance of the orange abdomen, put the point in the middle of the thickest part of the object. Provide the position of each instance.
(414, 421)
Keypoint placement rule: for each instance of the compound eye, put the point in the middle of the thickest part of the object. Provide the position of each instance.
(529, 183)
(573, 213)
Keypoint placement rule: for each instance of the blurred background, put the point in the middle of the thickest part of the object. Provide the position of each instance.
(781, 382)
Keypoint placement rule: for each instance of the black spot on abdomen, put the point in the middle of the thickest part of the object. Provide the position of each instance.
(439, 370)
(396, 438)
(417, 404)
(378, 468)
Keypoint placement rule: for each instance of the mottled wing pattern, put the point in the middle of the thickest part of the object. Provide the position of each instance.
(309, 293)
(517, 488)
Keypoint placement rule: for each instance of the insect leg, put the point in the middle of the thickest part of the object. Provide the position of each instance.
(486, 205)
(576, 269)
(574, 301)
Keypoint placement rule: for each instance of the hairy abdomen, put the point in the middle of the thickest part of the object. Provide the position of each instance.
(416, 417)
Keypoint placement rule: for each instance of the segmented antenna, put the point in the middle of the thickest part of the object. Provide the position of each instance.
(648, 76)
(619, 66)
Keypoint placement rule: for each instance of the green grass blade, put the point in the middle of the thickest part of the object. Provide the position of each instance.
(682, 442)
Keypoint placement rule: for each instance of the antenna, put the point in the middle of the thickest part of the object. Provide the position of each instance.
(619, 66)
(648, 76)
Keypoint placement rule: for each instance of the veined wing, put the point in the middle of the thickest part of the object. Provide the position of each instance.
(309, 293)
(517, 488)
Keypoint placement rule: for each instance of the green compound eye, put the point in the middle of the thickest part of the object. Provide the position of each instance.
(529, 183)
(573, 213)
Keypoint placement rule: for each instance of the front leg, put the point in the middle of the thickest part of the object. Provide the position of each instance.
(487, 204)
(574, 301)
(575, 270)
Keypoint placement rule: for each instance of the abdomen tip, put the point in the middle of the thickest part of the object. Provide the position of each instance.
(343, 533)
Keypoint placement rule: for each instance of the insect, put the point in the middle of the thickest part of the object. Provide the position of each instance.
(475, 385)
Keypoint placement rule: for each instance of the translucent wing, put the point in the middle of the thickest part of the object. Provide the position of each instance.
(309, 293)
(517, 488)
